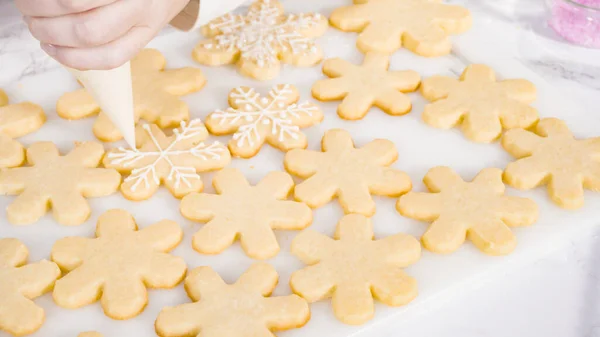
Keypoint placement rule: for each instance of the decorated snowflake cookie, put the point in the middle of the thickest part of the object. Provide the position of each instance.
(156, 94)
(478, 210)
(173, 160)
(353, 269)
(262, 39)
(60, 182)
(366, 85)
(482, 105)
(239, 309)
(16, 120)
(19, 284)
(553, 156)
(346, 172)
(386, 25)
(118, 265)
(254, 120)
(248, 212)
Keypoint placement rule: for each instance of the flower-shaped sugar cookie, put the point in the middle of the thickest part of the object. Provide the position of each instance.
(349, 173)
(552, 155)
(156, 94)
(353, 269)
(480, 103)
(366, 85)
(240, 309)
(261, 40)
(60, 182)
(254, 120)
(118, 265)
(478, 210)
(16, 120)
(386, 25)
(19, 284)
(248, 212)
(172, 160)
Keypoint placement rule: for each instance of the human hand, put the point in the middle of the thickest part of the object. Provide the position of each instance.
(96, 34)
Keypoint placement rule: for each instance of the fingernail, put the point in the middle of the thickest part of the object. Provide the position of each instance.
(49, 49)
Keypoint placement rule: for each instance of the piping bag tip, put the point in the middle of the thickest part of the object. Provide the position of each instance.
(113, 91)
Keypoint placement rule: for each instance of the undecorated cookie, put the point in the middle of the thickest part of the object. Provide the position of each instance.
(16, 120)
(354, 268)
(118, 265)
(90, 334)
(482, 105)
(19, 284)
(349, 173)
(261, 40)
(254, 120)
(553, 156)
(361, 87)
(478, 210)
(240, 309)
(59, 182)
(156, 94)
(248, 212)
(174, 161)
(420, 26)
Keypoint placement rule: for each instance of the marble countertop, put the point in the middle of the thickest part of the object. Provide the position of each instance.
(557, 296)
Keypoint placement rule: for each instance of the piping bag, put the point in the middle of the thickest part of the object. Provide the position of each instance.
(112, 89)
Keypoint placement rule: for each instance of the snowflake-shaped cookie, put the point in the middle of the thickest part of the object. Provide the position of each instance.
(478, 210)
(156, 94)
(262, 39)
(366, 85)
(118, 265)
(349, 173)
(386, 25)
(60, 182)
(19, 284)
(552, 155)
(353, 269)
(240, 309)
(480, 103)
(254, 120)
(16, 120)
(173, 160)
(248, 212)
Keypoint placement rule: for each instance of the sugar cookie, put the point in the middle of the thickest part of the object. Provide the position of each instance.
(261, 40)
(254, 120)
(16, 120)
(553, 156)
(386, 25)
(156, 94)
(478, 210)
(361, 87)
(60, 182)
(349, 173)
(90, 334)
(19, 284)
(240, 309)
(171, 160)
(118, 265)
(248, 212)
(354, 268)
(482, 105)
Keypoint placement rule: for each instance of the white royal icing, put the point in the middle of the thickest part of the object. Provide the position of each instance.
(181, 174)
(262, 32)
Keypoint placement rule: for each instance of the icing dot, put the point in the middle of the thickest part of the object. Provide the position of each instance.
(280, 104)
(248, 107)
(266, 121)
(264, 100)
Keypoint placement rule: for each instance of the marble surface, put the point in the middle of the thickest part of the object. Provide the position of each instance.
(557, 296)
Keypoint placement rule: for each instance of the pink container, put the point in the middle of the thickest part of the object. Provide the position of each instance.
(577, 21)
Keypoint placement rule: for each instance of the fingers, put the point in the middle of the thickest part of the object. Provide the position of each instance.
(88, 29)
(54, 8)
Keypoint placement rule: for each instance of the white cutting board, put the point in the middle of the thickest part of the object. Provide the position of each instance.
(420, 147)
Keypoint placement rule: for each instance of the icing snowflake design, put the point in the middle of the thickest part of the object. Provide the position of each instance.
(253, 119)
(176, 160)
(262, 37)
